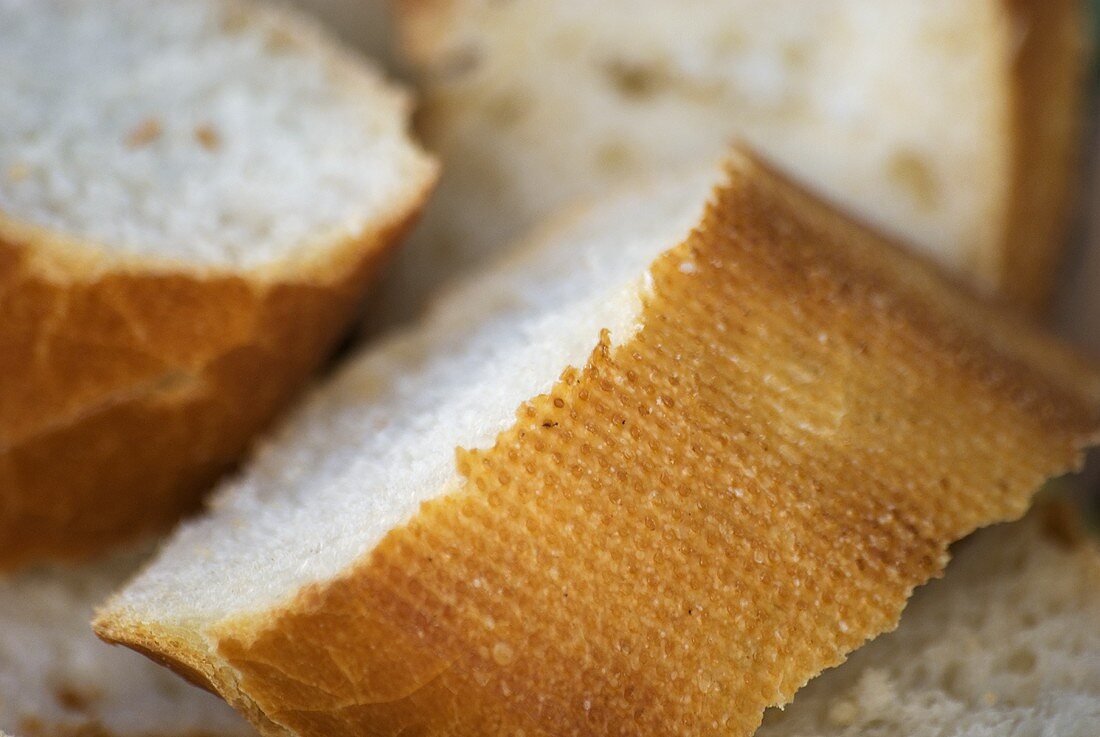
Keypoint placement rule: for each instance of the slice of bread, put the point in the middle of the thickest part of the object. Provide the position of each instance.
(194, 195)
(649, 476)
(952, 123)
(1007, 645)
(58, 680)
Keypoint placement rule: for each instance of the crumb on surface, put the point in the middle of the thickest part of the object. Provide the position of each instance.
(207, 136)
(18, 171)
(145, 133)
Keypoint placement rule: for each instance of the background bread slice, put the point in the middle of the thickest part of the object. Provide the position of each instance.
(1005, 646)
(58, 680)
(368, 25)
(190, 211)
(952, 124)
(699, 459)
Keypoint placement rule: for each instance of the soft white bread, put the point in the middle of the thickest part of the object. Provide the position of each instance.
(951, 123)
(194, 195)
(648, 476)
(58, 680)
(1007, 645)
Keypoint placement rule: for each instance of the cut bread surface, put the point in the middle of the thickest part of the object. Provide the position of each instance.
(379, 438)
(190, 214)
(1005, 646)
(653, 473)
(221, 133)
(57, 679)
(950, 124)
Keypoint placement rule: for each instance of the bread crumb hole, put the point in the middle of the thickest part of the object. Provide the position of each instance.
(795, 57)
(18, 172)
(912, 173)
(1022, 661)
(460, 63)
(235, 19)
(30, 725)
(950, 680)
(145, 133)
(280, 39)
(507, 109)
(72, 698)
(614, 158)
(634, 80)
(729, 40)
(843, 713)
(208, 137)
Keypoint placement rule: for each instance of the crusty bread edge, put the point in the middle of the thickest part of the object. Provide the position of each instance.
(186, 654)
(231, 388)
(1048, 77)
(283, 316)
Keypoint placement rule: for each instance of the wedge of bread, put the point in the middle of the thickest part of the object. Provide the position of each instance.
(649, 476)
(951, 123)
(1005, 646)
(58, 680)
(190, 211)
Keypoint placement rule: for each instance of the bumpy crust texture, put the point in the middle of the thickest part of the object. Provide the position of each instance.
(128, 390)
(688, 528)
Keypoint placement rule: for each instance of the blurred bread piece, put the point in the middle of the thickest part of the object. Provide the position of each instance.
(194, 196)
(1005, 645)
(58, 680)
(1080, 302)
(367, 25)
(650, 475)
(952, 124)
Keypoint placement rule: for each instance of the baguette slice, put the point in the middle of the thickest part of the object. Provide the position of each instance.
(1005, 646)
(58, 680)
(953, 123)
(194, 195)
(649, 476)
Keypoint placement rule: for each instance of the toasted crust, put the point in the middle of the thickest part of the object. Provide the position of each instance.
(703, 517)
(128, 390)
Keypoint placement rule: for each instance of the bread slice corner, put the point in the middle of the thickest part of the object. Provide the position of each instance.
(58, 680)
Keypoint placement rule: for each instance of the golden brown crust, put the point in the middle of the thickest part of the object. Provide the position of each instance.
(1049, 79)
(129, 392)
(698, 521)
